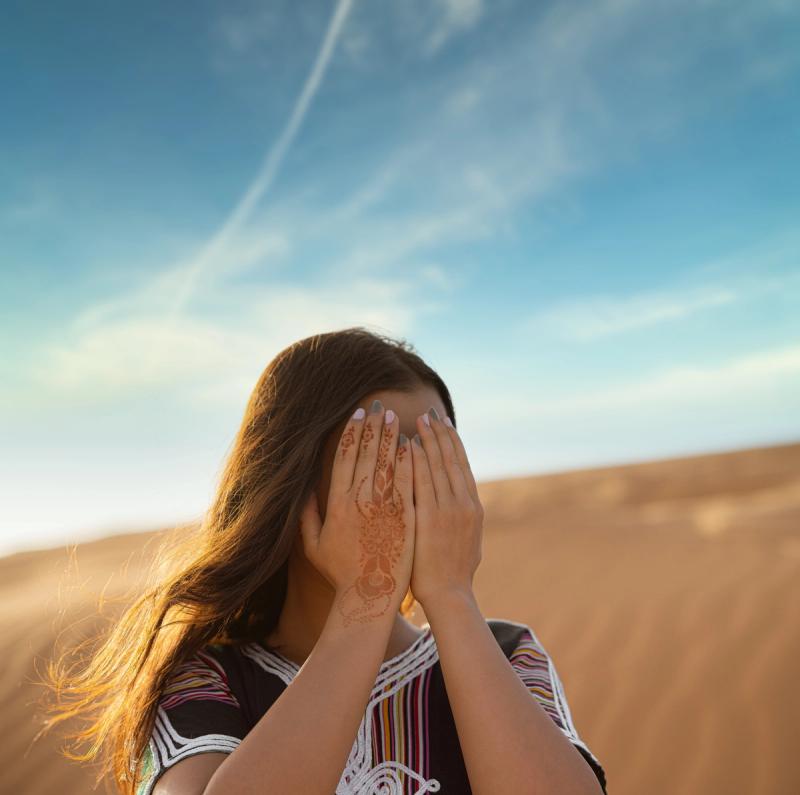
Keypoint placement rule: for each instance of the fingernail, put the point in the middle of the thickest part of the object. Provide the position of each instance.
(388, 417)
(426, 419)
(447, 422)
(359, 413)
(434, 413)
(376, 406)
(402, 439)
(417, 439)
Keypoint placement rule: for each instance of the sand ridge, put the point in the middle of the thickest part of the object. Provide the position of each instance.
(666, 593)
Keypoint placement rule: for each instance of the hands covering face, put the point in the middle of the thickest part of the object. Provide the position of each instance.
(399, 512)
(448, 511)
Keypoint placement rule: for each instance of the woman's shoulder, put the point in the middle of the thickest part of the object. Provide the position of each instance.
(512, 635)
(538, 672)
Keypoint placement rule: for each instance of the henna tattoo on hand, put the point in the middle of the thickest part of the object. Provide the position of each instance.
(366, 436)
(381, 537)
(348, 440)
(383, 451)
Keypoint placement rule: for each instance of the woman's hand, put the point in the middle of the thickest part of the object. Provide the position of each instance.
(365, 547)
(449, 515)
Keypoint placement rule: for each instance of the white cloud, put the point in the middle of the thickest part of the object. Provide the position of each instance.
(594, 316)
(482, 173)
(240, 33)
(463, 100)
(735, 399)
(455, 17)
(479, 176)
(218, 244)
(597, 316)
(211, 359)
(135, 353)
(514, 422)
(750, 373)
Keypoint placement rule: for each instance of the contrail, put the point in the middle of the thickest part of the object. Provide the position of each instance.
(272, 163)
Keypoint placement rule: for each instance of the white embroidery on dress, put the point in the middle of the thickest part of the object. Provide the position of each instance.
(383, 780)
(174, 746)
(360, 776)
(168, 746)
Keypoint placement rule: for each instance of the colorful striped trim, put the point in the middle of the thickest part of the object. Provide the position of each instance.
(201, 677)
(536, 669)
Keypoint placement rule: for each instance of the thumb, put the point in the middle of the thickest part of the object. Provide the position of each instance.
(310, 522)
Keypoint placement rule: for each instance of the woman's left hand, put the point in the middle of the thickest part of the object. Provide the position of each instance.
(448, 513)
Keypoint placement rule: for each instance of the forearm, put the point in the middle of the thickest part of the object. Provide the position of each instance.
(509, 743)
(301, 744)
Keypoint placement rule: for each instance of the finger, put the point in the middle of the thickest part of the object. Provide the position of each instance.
(364, 475)
(461, 456)
(441, 482)
(403, 492)
(384, 466)
(450, 462)
(424, 492)
(344, 461)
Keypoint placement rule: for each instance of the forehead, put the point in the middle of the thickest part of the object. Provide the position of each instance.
(406, 405)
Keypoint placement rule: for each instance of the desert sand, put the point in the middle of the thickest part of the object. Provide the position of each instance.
(667, 594)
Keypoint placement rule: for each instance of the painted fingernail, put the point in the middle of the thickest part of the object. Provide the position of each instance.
(376, 406)
(388, 417)
(434, 413)
(359, 413)
(448, 422)
(426, 419)
(417, 439)
(402, 439)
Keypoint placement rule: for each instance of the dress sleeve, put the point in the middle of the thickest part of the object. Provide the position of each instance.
(197, 713)
(538, 672)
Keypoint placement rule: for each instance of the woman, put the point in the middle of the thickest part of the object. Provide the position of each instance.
(292, 666)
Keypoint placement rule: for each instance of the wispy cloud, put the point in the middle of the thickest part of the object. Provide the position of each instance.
(241, 34)
(455, 16)
(750, 373)
(217, 359)
(217, 245)
(499, 134)
(598, 316)
(748, 377)
(417, 28)
(589, 317)
(743, 401)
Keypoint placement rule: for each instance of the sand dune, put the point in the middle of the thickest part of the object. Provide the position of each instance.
(667, 593)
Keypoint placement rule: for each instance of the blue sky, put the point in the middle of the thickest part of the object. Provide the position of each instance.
(583, 215)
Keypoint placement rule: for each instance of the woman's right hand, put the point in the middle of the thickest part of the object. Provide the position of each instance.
(365, 546)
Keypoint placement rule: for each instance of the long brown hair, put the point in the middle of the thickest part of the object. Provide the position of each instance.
(225, 581)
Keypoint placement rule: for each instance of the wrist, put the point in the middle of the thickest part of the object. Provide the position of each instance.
(349, 609)
(446, 599)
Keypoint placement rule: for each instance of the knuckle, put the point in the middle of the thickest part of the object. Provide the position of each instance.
(337, 508)
(466, 508)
